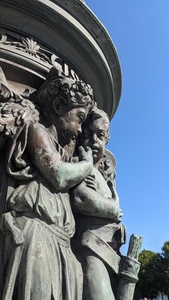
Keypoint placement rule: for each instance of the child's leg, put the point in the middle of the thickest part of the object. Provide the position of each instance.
(97, 283)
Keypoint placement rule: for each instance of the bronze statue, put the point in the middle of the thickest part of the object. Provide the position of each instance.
(95, 200)
(37, 141)
(99, 232)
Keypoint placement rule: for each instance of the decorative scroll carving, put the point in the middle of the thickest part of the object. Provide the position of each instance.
(29, 47)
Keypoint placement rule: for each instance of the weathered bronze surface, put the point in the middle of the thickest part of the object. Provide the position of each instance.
(60, 217)
(99, 232)
(37, 222)
(39, 133)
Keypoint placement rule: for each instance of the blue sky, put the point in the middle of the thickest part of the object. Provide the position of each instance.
(140, 127)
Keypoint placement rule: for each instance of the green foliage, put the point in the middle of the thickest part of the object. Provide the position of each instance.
(165, 267)
(165, 250)
(147, 285)
(154, 273)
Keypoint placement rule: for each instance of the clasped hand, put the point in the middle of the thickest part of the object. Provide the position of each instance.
(85, 154)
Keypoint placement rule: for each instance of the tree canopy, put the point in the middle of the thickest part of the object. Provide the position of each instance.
(154, 273)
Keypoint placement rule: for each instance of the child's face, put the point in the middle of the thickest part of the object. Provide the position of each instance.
(71, 122)
(95, 137)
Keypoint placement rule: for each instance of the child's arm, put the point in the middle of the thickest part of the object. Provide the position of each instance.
(49, 163)
(89, 202)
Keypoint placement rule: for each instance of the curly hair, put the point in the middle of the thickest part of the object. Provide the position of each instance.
(74, 93)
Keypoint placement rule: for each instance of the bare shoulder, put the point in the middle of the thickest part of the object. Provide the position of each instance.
(38, 138)
(37, 131)
(38, 135)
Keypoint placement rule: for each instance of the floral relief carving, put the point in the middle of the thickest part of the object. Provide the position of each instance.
(33, 50)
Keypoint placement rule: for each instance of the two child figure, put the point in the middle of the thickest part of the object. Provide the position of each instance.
(38, 222)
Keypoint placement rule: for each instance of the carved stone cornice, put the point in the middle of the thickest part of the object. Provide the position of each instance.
(71, 32)
(23, 52)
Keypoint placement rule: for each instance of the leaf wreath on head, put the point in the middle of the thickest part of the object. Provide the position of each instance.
(16, 112)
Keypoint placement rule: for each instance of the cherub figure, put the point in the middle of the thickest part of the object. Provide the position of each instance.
(38, 222)
(98, 215)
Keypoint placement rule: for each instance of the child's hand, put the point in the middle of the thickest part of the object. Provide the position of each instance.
(85, 154)
(90, 182)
